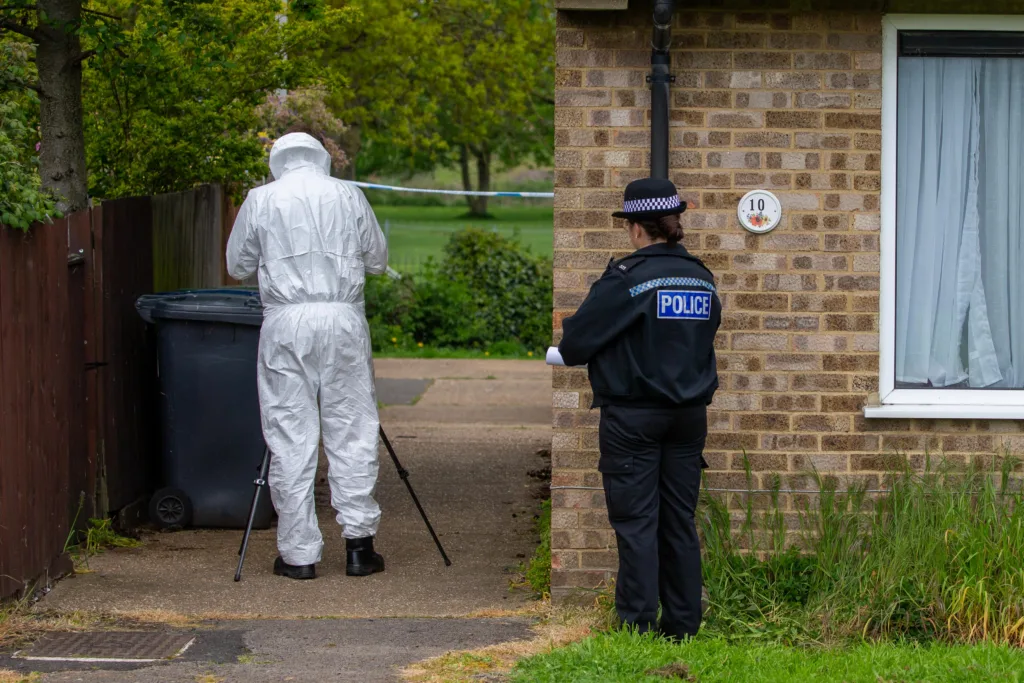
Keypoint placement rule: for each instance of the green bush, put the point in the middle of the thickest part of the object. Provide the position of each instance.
(511, 288)
(487, 292)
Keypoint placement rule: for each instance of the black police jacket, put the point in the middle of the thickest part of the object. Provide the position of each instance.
(647, 331)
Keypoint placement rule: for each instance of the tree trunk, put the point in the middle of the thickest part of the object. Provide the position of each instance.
(477, 205)
(59, 61)
(483, 174)
(352, 142)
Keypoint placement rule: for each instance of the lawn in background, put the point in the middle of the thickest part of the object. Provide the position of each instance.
(622, 657)
(418, 232)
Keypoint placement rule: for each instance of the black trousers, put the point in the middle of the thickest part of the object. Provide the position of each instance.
(651, 461)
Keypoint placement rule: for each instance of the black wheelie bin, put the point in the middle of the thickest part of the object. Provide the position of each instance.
(207, 343)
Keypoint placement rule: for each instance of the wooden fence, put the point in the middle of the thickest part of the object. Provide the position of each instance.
(78, 417)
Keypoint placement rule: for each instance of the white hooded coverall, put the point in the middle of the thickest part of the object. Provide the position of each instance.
(311, 238)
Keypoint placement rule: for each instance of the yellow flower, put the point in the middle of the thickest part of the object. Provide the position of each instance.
(530, 354)
(487, 353)
(420, 345)
(394, 339)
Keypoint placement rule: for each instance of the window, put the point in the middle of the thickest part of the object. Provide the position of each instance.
(952, 218)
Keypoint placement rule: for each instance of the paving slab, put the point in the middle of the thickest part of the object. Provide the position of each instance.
(394, 391)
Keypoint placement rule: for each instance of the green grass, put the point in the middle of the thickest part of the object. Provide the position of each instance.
(622, 656)
(98, 537)
(923, 583)
(538, 570)
(936, 558)
(418, 232)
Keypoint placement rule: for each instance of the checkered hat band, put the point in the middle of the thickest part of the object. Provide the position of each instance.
(651, 204)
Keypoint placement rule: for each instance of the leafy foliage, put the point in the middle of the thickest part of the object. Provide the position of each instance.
(22, 198)
(504, 281)
(450, 82)
(486, 293)
(501, 61)
(386, 73)
(172, 91)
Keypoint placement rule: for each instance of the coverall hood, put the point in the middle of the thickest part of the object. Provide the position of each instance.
(297, 151)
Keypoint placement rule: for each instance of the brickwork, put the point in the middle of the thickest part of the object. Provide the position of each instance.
(783, 101)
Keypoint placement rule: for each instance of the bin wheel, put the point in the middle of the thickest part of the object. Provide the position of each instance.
(170, 508)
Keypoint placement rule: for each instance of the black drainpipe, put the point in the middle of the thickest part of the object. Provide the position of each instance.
(660, 80)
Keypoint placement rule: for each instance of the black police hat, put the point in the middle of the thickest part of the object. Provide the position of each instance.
(648, 199)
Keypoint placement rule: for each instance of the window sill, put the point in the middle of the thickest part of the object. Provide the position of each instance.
(944, 412)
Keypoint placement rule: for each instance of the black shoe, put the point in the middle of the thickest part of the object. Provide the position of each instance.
(301, 572)
(362, 560)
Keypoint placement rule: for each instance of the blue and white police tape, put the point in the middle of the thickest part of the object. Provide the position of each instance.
(462, 193)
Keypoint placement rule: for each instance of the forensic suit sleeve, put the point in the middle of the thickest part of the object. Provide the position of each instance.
(243, 253)
(605, 314)
(374, 245)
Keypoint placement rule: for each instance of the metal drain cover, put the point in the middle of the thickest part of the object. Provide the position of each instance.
(108, 646)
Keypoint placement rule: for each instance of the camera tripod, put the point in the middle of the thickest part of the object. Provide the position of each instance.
(261, 481)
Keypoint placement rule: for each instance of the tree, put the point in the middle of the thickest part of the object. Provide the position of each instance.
(463, 83)
(52, 27)
(171, 87)
(500, 90)
(173, 96)
(387, 69)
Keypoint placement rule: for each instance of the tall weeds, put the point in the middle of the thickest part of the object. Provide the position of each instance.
(939, 556)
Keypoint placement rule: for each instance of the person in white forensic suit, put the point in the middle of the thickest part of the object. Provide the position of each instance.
(311, 239)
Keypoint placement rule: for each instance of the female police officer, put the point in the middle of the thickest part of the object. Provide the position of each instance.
(647, 332)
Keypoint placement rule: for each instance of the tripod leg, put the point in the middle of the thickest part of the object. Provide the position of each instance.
(260, 482)
(259, 475)
(404, 475)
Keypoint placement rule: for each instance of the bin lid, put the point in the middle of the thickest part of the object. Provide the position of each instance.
(238, 306)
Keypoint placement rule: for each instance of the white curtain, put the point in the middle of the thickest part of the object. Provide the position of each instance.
(1001, 176)
(959, 306)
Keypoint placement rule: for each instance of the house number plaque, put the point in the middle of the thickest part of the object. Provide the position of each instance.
(759, 211)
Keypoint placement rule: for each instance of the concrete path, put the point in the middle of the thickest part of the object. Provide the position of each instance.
(364, 650)
(470, 441)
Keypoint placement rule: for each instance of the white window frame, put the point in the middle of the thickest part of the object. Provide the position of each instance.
(922, 403)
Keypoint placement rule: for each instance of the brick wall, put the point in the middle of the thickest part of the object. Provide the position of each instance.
(786, 102)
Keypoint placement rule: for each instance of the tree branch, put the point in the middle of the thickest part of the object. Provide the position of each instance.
(17, 82)
(353, 44)
(30, 7)
(21, 29)
(86, 10)
(84, 56)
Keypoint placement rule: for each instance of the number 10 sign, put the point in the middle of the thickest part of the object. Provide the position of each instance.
(759, 211)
